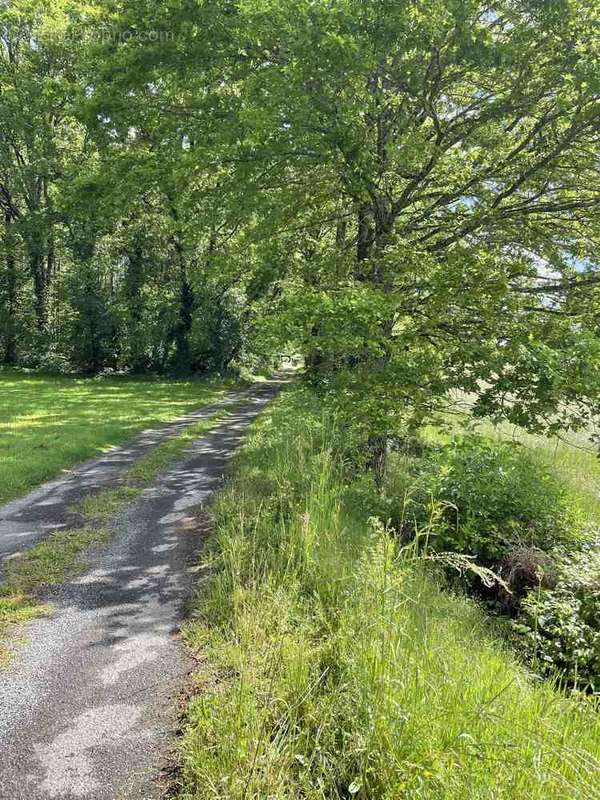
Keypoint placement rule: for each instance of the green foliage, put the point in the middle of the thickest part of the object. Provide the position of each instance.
(407, 193)
(429, 217)
(550, 568)
(499, 503)
(93, 329)
(558, 620)
(110, 256)
(216, 336)
(493, 498)
(333, 665)
(560, 626)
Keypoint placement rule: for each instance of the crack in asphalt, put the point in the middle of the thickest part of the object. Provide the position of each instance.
(88, 705)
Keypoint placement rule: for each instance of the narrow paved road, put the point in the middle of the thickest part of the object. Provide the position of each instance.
(29, 519)
(88, 707)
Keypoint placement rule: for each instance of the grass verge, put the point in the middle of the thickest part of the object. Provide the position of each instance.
(335, 665)
(46, 564)
(148, 467)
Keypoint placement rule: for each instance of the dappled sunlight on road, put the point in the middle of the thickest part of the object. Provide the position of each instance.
(50, 423)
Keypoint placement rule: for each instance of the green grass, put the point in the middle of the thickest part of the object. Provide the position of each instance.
(335, 665)
(108, 503)
(51, 561)
(148, 467)
(48, 424)
(15, 610)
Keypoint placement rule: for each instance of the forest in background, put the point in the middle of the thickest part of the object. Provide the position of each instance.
(405, 193)
(116, 253)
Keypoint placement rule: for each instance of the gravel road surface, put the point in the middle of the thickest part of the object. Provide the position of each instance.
(29, 519)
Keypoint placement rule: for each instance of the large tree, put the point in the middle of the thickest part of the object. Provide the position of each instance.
(408, 190)
(451, 148)
(37, 137)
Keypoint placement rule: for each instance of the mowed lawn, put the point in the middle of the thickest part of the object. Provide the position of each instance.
(49, 423)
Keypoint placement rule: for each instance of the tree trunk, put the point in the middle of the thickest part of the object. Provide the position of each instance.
(36, 265)
(49, 250)
(340, 234)
(10, 338)
(314, 359)
(183, 328)
(371, 234)
(377, 457)
(185, 314)
(364, 238)
(133, 284)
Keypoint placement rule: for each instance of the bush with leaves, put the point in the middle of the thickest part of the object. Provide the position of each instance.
(560, 626)
(496, 503)
(490, 499)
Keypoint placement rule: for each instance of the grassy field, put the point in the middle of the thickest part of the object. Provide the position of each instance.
(335, 666)
(48, 424)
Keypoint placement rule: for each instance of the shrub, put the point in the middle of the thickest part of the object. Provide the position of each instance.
(560, 627)
(494, 500)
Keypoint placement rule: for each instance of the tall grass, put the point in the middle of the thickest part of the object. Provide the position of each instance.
(333, 664)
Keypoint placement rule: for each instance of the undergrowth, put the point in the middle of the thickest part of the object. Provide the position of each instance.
(518, 505)
(337, 664)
